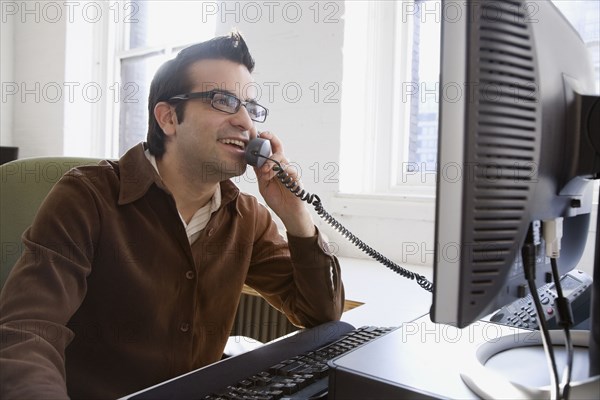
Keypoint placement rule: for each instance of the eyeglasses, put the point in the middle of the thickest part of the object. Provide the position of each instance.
(226, 102)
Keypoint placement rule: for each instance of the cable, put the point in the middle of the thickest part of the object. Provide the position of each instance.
(565, 322)
(292, 185)
(529, 264)
(553, 232)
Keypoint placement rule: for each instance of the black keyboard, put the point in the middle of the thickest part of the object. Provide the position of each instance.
(292, 368)
(301, 377)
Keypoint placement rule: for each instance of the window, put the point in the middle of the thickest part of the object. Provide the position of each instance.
(585, 17)
(153, 33)
(390, 91)
(419, 93)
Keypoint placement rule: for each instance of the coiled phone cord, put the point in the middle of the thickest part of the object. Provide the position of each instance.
(314, 200)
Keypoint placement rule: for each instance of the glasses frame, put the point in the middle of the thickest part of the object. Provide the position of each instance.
(211, 95)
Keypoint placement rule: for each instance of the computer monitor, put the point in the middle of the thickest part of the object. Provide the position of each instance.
(516, 145)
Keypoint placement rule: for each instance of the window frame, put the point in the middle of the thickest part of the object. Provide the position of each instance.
(400, 180)
(385, 123)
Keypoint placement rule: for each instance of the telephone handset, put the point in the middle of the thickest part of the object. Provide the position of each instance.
(259, 150)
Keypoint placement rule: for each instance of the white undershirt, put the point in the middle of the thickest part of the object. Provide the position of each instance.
(200, 217)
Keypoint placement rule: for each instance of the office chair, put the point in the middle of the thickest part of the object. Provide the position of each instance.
(23, 186)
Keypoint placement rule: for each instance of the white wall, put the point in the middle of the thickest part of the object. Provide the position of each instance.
(38, 62)
(49, 74)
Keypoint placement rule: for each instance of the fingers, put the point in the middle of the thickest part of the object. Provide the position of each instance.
(266, 172)
(276, 145)
(277, 154)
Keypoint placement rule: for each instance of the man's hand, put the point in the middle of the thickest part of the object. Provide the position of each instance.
(286, 205)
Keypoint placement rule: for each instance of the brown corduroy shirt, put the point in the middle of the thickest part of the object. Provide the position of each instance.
(109, 297)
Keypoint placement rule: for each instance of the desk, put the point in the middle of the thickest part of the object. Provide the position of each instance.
(423, 360)
(419, 360)
(389, 299)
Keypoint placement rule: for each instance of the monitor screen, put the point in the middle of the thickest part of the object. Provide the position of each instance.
(515, 146)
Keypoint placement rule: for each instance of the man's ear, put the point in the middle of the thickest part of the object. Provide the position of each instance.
(166, 117)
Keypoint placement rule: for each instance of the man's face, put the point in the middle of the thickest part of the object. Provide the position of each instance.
(203, 141)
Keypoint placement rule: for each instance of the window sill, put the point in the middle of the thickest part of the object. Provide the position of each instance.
(414, 207)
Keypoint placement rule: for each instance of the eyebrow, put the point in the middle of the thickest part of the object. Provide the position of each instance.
(247, 100)
(223, 91)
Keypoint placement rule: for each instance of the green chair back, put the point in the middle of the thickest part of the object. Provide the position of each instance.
(24, 184)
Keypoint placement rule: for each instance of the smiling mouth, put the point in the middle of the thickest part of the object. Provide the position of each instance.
(233, 142)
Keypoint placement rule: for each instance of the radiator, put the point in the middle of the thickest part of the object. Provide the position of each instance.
(257, 319)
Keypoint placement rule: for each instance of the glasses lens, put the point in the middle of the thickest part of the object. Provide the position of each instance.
(225, 102)
(257, 112)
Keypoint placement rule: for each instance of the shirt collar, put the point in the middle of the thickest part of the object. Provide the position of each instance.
(138, 174)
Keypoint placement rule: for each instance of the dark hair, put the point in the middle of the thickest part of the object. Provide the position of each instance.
(172, 78)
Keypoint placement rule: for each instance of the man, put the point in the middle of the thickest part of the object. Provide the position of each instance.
(133, 269)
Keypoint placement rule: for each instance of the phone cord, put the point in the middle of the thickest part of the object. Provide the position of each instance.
(314, 200)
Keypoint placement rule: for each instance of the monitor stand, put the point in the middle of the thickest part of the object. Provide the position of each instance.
(495, 373)
(425, 360)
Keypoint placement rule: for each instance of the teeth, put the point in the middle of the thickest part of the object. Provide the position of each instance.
(238, 143)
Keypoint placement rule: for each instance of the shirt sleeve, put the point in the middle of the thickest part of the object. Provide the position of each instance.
(43, 291)
(300, 277)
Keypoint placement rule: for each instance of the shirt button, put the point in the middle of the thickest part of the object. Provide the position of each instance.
(184, 327)
(189, 274)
